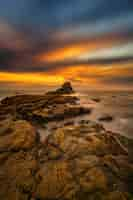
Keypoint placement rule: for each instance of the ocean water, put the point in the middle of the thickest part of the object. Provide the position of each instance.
(119, 105)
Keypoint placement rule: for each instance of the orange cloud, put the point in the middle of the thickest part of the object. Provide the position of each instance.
(73, 50)
(89, 77)
(63, 53)
(30, 78)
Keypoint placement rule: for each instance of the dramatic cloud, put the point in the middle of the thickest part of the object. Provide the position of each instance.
(52, 41)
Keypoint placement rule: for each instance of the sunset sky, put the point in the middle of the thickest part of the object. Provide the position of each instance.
(46, 42)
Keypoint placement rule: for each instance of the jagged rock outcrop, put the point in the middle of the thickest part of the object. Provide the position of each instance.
(65, 89)
(43, 108)
(74, 162)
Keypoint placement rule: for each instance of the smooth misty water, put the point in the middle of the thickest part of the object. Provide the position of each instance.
(117, 104)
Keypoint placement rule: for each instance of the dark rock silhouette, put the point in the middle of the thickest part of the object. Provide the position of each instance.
(65, 89)
(106, 118)
(97, 100)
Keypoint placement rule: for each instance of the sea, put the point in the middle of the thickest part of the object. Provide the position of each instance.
(117, 104)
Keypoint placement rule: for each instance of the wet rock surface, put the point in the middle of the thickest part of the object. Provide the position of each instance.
(73, 162)
(106, 118)
(43, 108)
(97, 100)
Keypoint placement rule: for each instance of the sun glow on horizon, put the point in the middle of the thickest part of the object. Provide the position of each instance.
(95, 76)
(30, 78)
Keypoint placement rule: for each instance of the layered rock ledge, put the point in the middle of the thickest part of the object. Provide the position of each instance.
(74, 162)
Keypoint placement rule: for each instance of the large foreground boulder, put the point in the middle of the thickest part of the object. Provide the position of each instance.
(17, 159)
(74, 162)
(84, 162)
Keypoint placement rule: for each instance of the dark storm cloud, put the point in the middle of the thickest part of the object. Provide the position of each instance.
(5, 55)
(61, 12)
(31, 27)
(18, 52)
(52, 67)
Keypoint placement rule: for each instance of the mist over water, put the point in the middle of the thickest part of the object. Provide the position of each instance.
(119, 105)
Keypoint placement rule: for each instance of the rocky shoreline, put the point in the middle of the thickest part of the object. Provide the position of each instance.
(74, 162)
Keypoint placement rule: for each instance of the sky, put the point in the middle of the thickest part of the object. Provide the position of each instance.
(47, 42)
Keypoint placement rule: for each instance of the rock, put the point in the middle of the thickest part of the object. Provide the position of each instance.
(116, 195)
(106, 117)
(59, 175)
(97, 100)
(17, 179)
(114, 96)
(5, 124)
(66, 88)
(60, 112)
(90, 165)
(16, 135)
(54, 107)
(75, 161)
(18, 161)
(40, 108)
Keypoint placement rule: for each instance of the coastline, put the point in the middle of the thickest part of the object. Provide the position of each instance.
(116, 106)
(67, 160)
